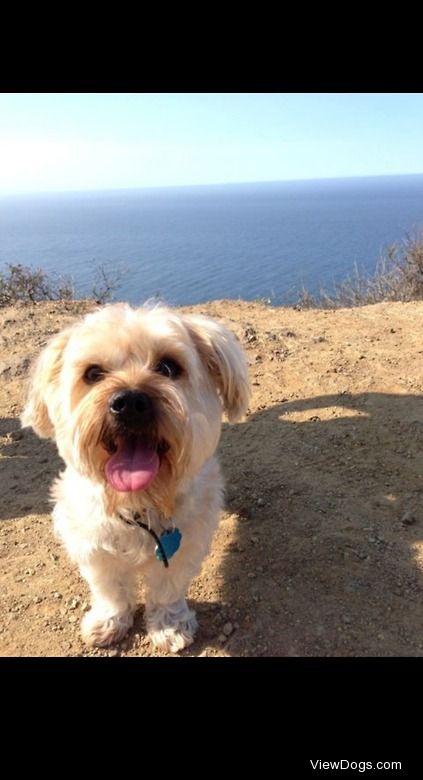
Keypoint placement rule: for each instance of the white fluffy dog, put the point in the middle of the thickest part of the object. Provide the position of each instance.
(134, 400)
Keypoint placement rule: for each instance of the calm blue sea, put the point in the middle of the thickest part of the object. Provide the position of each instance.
(193, 244)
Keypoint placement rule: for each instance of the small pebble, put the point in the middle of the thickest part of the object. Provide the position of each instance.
(227, 629)
(408, 518)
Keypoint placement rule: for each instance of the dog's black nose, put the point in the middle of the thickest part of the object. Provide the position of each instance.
(131, 407)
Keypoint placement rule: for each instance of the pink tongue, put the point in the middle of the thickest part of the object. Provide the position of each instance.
(133, 467)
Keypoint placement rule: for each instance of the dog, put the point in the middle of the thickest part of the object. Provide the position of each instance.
(134, 399)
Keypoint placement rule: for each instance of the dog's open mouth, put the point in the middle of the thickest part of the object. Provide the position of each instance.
(134, 465)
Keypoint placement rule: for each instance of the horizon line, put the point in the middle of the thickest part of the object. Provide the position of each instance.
(206, 184)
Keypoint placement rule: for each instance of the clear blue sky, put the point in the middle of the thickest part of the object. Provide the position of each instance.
(60, 142)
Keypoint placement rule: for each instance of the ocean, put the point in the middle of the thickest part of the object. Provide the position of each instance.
(189, 245)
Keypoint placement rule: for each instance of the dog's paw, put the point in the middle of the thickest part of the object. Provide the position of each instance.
(171, 639)
(102, 631)
(173, 627)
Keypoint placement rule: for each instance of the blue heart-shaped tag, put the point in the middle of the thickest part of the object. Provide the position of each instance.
(170, 541)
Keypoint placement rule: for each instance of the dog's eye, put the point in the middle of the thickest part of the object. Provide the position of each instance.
(93, 374)
(168, 367)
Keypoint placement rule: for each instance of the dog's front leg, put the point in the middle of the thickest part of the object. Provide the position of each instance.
(112, 585)
(171, 624)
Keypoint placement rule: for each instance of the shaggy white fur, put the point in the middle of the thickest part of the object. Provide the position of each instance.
(173, 376)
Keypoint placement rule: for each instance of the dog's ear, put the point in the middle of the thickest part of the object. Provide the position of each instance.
(221, 352)
(37, 413)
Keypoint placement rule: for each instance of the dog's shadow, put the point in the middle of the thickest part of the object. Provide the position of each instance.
(321, 553)
(28, 466)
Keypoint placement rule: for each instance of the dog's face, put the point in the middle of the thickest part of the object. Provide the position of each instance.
(134, 397)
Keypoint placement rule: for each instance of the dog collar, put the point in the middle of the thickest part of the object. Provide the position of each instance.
(166, 545)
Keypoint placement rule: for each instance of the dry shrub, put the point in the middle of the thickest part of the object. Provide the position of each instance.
(28, 285)
(398, 277)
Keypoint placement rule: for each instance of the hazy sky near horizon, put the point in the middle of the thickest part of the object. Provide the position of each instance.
(96, 141)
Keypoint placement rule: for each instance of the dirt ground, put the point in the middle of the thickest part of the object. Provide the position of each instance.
(320, 549)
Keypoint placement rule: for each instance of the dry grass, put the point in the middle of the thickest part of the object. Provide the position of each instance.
(28, 285)
(398, 277)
